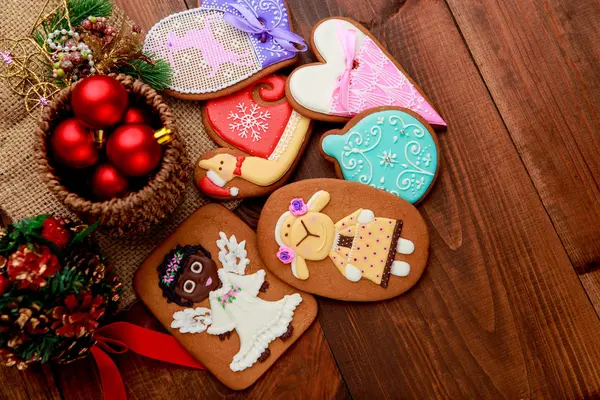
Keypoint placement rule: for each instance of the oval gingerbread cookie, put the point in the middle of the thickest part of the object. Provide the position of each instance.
(389, 148)
(262, 139)
(355, 73)
(343, 240)
(224, 45)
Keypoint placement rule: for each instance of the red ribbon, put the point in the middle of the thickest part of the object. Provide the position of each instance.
(119, 337)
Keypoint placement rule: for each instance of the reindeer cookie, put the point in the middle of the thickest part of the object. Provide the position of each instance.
(343, 240)
(224, 45)
(262, 138)
(206, 284)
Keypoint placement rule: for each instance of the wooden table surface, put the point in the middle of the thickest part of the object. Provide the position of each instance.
(508, 305)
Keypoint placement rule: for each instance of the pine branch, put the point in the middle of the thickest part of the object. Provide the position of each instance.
(78, 11)
(157, 74)
(81, 9)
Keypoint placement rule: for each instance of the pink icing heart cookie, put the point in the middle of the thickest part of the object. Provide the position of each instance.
(355, 73)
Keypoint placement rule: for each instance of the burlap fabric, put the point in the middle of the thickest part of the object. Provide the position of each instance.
(22, 192)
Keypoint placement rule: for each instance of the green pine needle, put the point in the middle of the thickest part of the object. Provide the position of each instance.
(81, 9)
(157, 74)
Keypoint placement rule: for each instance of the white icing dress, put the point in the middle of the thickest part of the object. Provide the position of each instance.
(257, 322)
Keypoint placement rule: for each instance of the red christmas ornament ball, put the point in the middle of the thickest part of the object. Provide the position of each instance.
(99, 101)
(133, 149)
(72, 144)
(136, 115)
(108, 183)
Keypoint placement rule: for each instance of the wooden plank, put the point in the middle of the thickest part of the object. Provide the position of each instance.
(499, 312)
(36, 382)
(540, 61)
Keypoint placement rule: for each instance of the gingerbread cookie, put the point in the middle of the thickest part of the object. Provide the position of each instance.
(224, 45)
(355, 73)
(262, 139)
(206, 285)
(343, 240)
(389, 148)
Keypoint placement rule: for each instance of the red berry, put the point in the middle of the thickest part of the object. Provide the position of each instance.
(54, 230)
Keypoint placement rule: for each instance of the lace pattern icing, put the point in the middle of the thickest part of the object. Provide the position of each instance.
(207, 54)
(286, 137)
(377, 82)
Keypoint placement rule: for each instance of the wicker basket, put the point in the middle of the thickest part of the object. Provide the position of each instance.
(137, 211)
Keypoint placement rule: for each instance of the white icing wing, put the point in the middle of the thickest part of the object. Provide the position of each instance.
(232, 255)
(192, 320)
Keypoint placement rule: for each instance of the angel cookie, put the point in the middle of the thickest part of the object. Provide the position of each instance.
(234, 317)
(262, 139)
(372, 250)
(389, 148)
(355, 73)
(188, 276)
(224, 45)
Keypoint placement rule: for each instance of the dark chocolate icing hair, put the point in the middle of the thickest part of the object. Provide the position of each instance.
(169, 290)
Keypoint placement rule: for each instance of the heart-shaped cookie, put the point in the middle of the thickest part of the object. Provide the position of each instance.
(262, 139)
(390, 148)
(224, 45)
(355, 74)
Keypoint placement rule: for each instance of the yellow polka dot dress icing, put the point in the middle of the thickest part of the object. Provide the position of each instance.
(388, 148)
(359, 245)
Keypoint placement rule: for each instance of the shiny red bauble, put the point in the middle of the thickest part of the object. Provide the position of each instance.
(99, 101)
(72, 144)
(133, 149)
(108, 183)
(136, 115)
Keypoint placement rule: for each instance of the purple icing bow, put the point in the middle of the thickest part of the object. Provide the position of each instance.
(248, 22)
(348, 40)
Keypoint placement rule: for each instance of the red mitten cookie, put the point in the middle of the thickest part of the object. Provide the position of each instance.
(262, 139)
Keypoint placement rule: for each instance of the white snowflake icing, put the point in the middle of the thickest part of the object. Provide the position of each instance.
(388, 158)
(249, 120)
(230, 252)
(192, 320)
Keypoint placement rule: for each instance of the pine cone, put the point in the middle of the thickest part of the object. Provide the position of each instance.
(76, 349)
(79, 316)
(31, 265)
(88, 262)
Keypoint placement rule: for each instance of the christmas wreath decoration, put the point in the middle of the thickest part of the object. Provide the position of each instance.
(55, 290)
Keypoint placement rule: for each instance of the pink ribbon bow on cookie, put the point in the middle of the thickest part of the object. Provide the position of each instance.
(248, 22)
(348, 40)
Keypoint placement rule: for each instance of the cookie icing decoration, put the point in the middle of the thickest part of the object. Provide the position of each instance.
(192, 320)
(262, 137)
(354, 75)
(387, 148)
(224, 45)
(359, 245)
(230, 251)
(187, 275)
(258, 322)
